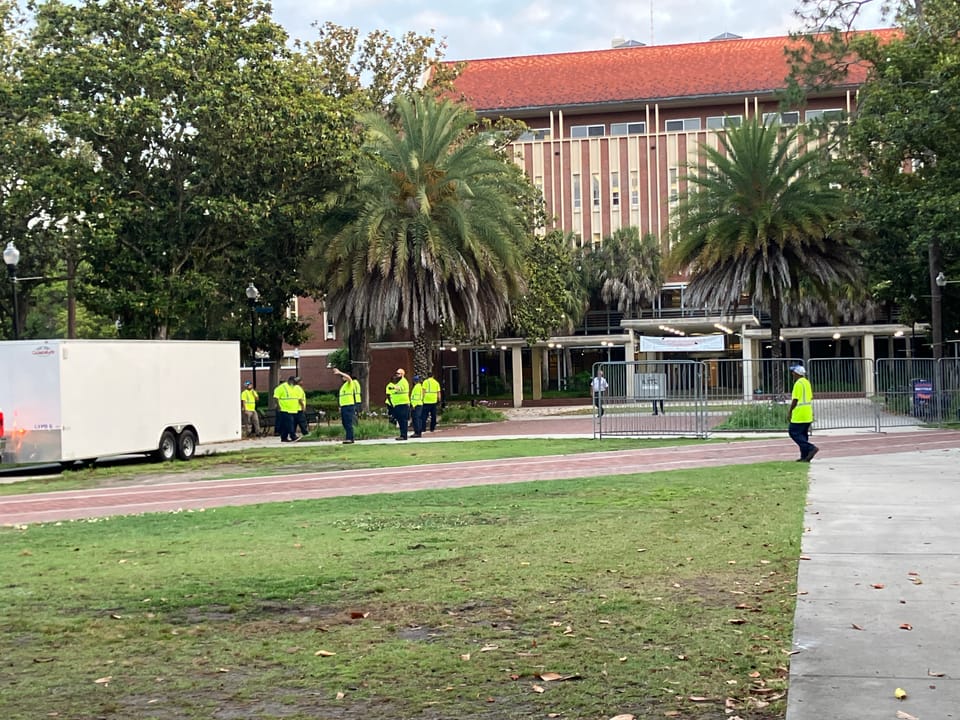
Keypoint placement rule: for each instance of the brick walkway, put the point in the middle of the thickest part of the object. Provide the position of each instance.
(101, 502)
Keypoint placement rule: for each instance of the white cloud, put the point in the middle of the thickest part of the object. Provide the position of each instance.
(494, 28)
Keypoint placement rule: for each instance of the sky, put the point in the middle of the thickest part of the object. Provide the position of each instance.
(500, 28)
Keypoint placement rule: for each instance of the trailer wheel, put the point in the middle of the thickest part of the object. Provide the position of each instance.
(186, 444)
(167, 450)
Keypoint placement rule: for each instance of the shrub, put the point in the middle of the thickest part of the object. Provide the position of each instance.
(756, 416)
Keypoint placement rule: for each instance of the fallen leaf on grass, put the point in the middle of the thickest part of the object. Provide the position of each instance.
(324, 653)
(698, 698)
(104, 680)
(737, 621)
(465, 657)
(538, 688)
(358, 615)
(625, 716)
(489, 648)
(340, 696)
(557, 677)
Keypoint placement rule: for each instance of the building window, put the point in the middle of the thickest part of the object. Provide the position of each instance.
(331, 327)
(685, 125)
(829, 115)
(582, 131)
(615, 189)
(577, 193)
(633, 128)
(535, 134)
(595, 184)
(674, 189)
(634, 188)
(785, 118)
(718, 122)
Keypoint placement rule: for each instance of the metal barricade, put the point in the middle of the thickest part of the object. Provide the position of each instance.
(692, 398)
(649, 398)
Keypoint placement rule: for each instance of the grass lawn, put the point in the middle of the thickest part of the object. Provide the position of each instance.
(656, 595)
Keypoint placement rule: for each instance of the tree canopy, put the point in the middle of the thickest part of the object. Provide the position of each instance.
(761, 218)
(432, 232)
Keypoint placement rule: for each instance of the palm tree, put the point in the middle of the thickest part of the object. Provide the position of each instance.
(630, 270)
(763, 219)
(433, 233)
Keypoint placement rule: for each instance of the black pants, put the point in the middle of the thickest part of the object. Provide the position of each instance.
(402, 415)
(347, 415)
(800, 434)
(300, 421)
(430, 413)
(419, 420)
(286, 425)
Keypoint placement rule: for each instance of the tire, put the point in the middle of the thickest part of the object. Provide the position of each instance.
(167, 449)
(186, 444)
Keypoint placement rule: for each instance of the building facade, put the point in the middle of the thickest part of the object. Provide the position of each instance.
(611, 135)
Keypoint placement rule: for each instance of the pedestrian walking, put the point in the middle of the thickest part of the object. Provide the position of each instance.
(248, 409)
(287, 405)
(599, 387)
(416, 406)
(400, 401)
(800, 417)
(348, 405)
(431, 398)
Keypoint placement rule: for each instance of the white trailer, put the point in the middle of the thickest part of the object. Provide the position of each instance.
(68, 400)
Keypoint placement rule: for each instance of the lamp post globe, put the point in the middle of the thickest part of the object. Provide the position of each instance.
(11, 256)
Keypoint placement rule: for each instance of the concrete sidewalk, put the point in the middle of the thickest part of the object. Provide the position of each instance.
(879, 584)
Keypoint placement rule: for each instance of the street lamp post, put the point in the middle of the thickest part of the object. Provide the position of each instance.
(252, 296)
(11, 256)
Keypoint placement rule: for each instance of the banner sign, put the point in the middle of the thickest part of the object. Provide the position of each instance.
(700, 343)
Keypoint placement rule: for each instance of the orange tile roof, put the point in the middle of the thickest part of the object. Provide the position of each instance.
(653, 73)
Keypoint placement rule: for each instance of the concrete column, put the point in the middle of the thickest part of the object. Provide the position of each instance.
(516, 361)
(536, 372)
(869, 360)
(747, 351)
(629, 354)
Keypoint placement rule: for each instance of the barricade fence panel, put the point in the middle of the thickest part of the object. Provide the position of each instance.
(651, 398)
(694, 398)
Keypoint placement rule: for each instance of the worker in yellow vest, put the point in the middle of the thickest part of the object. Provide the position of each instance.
(248, 409)
(416, 406)
(347, 398)
(400, 401)
(431, 399)
(800, 416)
(288, 403)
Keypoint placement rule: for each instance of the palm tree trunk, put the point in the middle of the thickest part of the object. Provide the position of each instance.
(358, 344)
(776, 347)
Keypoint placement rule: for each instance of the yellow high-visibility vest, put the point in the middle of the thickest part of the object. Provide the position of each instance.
(401, 393)
(431, 391)
(803, 394)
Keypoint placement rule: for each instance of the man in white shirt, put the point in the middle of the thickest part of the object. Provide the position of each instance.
(599, 387)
